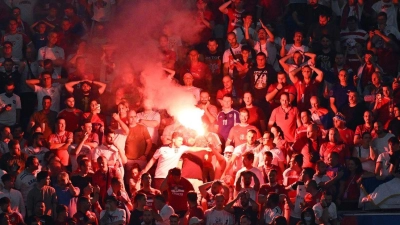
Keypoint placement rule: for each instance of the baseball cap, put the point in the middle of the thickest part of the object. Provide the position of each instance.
(340, 117)
(228, 149)
(194, 220)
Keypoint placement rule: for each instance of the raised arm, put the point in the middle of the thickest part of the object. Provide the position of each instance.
(70, 86)
(270, 34)
(320, 74)
(224, 7)
(292, 75)
(32, 82)
(283, 63)
(124, 127)
(102, 86)
(282, 52)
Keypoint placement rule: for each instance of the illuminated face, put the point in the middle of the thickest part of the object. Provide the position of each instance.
(244, 117)
(310, 132)
(250, 137)
(94, 106)
(53, 38)
(227, 82)
(13, 25)
(110, 138)
(396, 111)
(314, 102)
(42, 28)
(132, 117)
(46, 104)
(188, 79)
(245, 54)
(297, 58)
(323, 20)
(281, 78)
(232, 40)
(368, 59)
(7, 49)
(298, 37)
(178, 141)
(227, 102)
(65, 25)
(262, 34)
(375, 79)
(307, 72)
(248, 99)
(352, 98)
(386, 91)
(332, 136)
(212, 46)
(261, 60)
(284, 101)
(204, 97)
(368, 117)
(366, 139)
(194, 56)
(61, 125)
(88, 127)
(305, 119)
(343, 76)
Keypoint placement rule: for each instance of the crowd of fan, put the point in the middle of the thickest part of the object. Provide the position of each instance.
(301, 114)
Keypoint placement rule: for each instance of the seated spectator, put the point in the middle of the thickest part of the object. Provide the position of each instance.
(275, 91)
(237, 133)
(334, 145)
(363, 153)
(60, 140)
(325, 210)
(367, 126)
(5, 206)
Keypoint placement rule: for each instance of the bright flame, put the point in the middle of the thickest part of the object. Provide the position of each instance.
(191, 118)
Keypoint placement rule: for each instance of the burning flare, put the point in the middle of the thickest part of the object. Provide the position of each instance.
(191, 118)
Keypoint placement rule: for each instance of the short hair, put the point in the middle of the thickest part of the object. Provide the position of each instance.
(108, 131)
(252, 131)
(8, 60)
(268, 153)
(382, 14)
(280, 220)
(192, 196)
(4, 200)
(366, 132)
(6, 177)
(8, 43)
(176, 134)
(115, 180)
(244, 110)
(274, 197)
(247, 217)
(82, 199)
(309, 171)
(139, 196)
(46, 97)
(29, 160)
(249, 156)
(212, 40)
(246, 48)
(298, 158)
(12, 143)
(42, 175)
(313, 183)
(261, 54)
(175, 171)
(111, 198)
(174, 216)
(228, 96)
(352, 19)
(83, 162)
(48, 62)
(160, 198)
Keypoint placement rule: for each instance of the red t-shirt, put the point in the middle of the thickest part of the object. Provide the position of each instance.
(265, 189)
(347, 136)
(238, 133)
(329, 147)
(305, 92)
(312, 200)
(150, 197)
(99, 178)
(58, 139)
(288, 88)
(255, 115)
(235, 19)
(177, 193)
(72, 119)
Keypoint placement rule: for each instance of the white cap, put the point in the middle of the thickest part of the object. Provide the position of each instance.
(194, 220)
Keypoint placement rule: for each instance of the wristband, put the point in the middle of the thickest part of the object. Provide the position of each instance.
(278, 89)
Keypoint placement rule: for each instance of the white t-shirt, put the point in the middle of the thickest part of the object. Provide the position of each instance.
(111, 153)
(101, 11)
(227, 56)
(54, 92)
(38, 152)
(168, 158)
(24, 183)
(384, 159)
(153, 131)
(255, 170)
(277, 156)
(165, 213)
(240, 150)
(270, 214)
(114, 216)
(18, 40)
(390, 9)
(218, 217)
(363, 153)
(9, 118)
(331, 209)
(51, 53)
(26, 7)
(239, 31)
(381, 144)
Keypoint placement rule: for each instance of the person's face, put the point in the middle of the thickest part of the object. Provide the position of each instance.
(268, 160)
(262, 34)
(42, 28)
(321, 167)
(61, 125)
(65, 25)
(325, 42)
(227, 102)
(297, 58)
(247, 162)
(40, 208)
(88, 127)
(266, 137)
(367, 117)
(261, 61)
(327, 199)
(8, 66)
(284, 101)
(147, 217)
(314, 103)
(305, 119)
(352, 98)
(194, 56)
(10, 89)
(13, 25)
(274, 131)
(69, 12)
(215, 188)
(35, 164)
(46, 104)
(281, 78)
(248, 19)
(178, 141)
(188, 79)
(146, 179)
(244, 117)
(396, 111)
(310, 132)
(245, 54)
(366, 139)
(102, 163)
(18, 133)
(331, 136)
(307, 72)
(352, 25)
(47, 80)
(386, 91)
(378, 128)
(7, 49)
(323, 20)
(227, 82)
(132, 117)
(313, 2)
(85, 88)
(368, 59)
(47, 180)
(272, 176)
(62, 180)
(351, 165)
(204, 98)
(53, 12)
(232, 40)
(298, 37)
(375, 79)
(393, 147)
(88, 189)
(174, 221)
(250, 137)
(94, 106)
(212, 46)
(339, 60)
(123, 109)
(53, 38)
(381, 20)
(343, 76)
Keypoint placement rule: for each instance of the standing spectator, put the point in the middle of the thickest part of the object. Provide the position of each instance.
(79, 147)
(349, 190)
(20, 40)
(42, 192)
(325, 210)
(213, 59)
(194, 210)
(60, 140)
(27, 178)
(232, 56)
(379, 144)
(365, 71)
(85, 91)
(83, 175)
(199, 70)
(227, 118)
(363, 153)
(10, 110)
(15, 196)
(164, 211)
(65, 190)
(367, 126)
(394, 124)
(277, 89)
(84, 216)
(218, 214)
(231, 90)
(338, 97)
(256, 115)
(151, 120)
(101, 12)
(273, 210)
(138, 142)
(103, 175)
(71, 114)
(309, 146)
(137, 215)
(285, 117)
(244, 207)
(238, 133)
(37, 148)
(14, 161)
(123, 200)
(296, 46)
(148, 190)
(353, 110)
(14, 216)
(45, 118)
(112, 214)
(177, 188)
(346, 134)
(52, 52)
(234, 13)
(334, 145)
(50, 87)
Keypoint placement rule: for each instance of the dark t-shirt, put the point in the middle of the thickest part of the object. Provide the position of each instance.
(136, 217)
(394, 127)
(353, 115)
(82, 100)
(214, 63)
(259, 80)
(45, 219)
(395, 160)
(239, 212)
